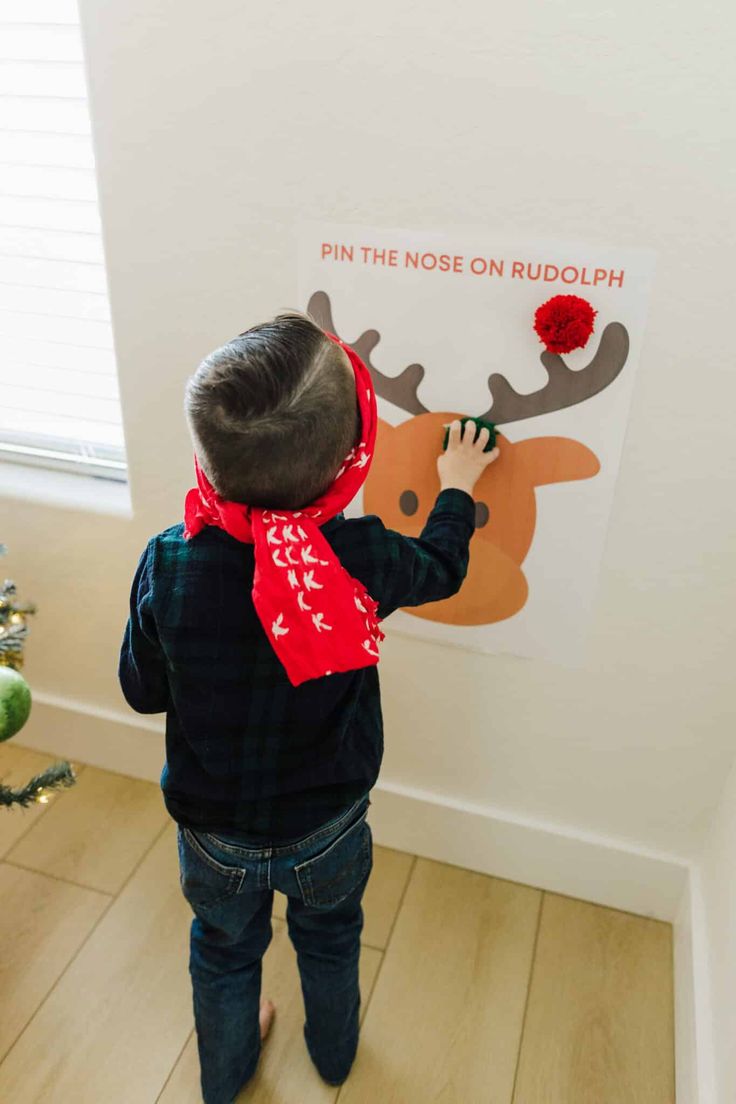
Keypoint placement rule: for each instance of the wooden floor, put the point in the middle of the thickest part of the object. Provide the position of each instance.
(475, 990)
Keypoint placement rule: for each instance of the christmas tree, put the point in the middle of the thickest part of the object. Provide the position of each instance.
(15, 698)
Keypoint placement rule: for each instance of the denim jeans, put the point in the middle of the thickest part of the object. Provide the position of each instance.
(229, 885)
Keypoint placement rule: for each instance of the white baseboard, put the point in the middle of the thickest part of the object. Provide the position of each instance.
(686, 1049)
(701, 1007)
(493, 841)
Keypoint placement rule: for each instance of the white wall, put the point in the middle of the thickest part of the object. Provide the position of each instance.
(218, 126)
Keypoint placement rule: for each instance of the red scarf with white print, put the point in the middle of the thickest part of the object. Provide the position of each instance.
(318, 618)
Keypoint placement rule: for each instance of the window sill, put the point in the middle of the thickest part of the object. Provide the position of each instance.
(64, 489)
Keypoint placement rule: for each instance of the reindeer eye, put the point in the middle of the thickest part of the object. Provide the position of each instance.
(482, 513)
(409, 503)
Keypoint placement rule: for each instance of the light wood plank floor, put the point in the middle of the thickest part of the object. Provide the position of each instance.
(475, 990)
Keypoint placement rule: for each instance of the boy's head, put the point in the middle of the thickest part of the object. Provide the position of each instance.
(273, 413)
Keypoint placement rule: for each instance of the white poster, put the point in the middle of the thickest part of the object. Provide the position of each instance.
(446, 323)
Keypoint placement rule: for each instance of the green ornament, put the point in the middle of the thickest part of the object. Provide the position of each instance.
(15, 702)
(480, 424)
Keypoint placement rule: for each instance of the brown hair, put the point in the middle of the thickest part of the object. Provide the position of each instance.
(273, 413)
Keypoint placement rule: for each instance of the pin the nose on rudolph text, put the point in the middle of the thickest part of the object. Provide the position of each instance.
(428, 261)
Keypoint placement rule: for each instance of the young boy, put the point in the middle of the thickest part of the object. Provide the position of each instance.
(254, 626)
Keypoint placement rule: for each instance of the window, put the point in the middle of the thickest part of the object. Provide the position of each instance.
(59, 402)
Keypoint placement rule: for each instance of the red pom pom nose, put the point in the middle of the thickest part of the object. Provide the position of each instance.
(564, 323)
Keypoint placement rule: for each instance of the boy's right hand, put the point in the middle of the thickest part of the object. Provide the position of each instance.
(464, 461)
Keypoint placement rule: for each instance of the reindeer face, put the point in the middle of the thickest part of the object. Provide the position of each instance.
(403, 482)
(403, 489)
(495, 587)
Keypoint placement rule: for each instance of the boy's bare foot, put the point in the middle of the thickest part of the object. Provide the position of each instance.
(265, 1017)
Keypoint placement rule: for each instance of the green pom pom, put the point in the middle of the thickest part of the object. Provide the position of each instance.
(491, 444)
(15, 702)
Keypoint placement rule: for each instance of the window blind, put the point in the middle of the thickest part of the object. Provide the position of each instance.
(59, 401)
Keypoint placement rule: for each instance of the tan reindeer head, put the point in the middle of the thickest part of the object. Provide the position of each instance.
(403, 483)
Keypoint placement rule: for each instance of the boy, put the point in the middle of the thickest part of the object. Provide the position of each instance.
(254, 626)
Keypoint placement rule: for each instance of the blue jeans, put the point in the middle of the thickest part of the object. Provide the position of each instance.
(229, 884)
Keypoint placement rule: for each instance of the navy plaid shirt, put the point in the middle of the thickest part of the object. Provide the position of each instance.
(247, 753)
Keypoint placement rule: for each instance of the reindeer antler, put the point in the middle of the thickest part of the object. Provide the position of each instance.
(400, 390)
(564, 387)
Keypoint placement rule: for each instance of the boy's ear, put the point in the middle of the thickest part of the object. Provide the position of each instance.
(556, 460)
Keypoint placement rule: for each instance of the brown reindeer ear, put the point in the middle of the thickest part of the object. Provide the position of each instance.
(556, 460)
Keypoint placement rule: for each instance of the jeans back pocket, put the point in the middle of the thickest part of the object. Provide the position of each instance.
(329, 877)
(205, 881)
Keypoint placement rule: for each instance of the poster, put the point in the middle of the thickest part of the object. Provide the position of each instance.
(445, 322)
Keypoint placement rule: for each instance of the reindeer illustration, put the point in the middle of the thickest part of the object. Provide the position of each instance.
(403, 483)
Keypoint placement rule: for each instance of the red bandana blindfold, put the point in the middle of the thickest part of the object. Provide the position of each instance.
(318, 619)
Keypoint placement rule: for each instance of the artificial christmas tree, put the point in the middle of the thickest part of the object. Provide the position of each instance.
(15, 699)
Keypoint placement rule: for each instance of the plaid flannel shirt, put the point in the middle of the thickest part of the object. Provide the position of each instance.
(248, 754)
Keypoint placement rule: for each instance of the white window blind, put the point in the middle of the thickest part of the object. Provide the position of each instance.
(59, 402)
